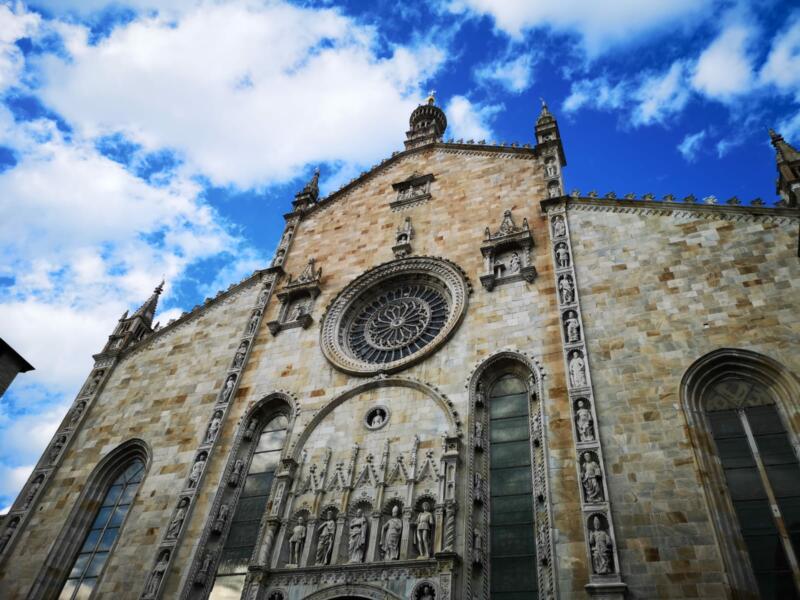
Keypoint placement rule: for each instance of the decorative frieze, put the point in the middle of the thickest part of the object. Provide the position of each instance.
(412, 191)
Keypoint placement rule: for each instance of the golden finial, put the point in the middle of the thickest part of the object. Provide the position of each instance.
(431, 97)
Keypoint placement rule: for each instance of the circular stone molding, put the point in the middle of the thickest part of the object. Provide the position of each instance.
(394, 315)
(376, 417)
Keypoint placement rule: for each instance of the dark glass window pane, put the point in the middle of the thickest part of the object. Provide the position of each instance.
(118, 516)
(511, 454)
(265, 461)
(785, 480)
(80, 565)
(775, 449)
(745, 484)
(271, 440)
(509, 430)
(766, 553)
(511, 509)
(113, 493)
(128, 494)
(91, 540)
(512, 540)
(257, 484)
(234, 560)
(109, 535)
(507, 482)
(725, 423)
(133, 474)
(764, 419)
(102, 518)
(228, 587)
(777, 585)
(97, 562)
(508, 406)
(250, 509)
(735, 452)
(755, 516)
(508, 385)
(514, 574)
(242, 535)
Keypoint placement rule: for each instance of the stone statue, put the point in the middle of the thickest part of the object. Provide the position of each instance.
(296, 541)
(93, 384)
(76, 413)
(584, 422)
(8, 533)
(56, 448)
(213, 427)
(514, 263)
(197, 470)
(177, 521)
(562, 255)
(478, 435)
(425, 525)
(591, 479)
(559, 228)
(238, 359)
(262, 297)
(477, 488)
(236, 474)
(157, 575)
(567, 289)
(577, 370)
(601, 545)
(300, 310)
(222, 518)
(573, 327)
(37, 483)
(477, 546)
(228, 388)
(480, 395)
(426, 593)
(279, 256)
(390, 535)
(325, 539)
(377, 419)
(205, 569)
(251, 326)
(357, 544)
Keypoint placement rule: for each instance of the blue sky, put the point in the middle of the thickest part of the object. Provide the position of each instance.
(143, 138)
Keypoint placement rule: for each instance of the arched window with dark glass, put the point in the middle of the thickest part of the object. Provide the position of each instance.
(103, 533)
(241, 539)
(512, 549)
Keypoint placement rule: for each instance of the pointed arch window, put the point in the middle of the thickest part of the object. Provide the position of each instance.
(241, 539)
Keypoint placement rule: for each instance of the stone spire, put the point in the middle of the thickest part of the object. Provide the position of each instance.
(131, 329)
(147, 310)
(308, 196)
(547, 134)
(788, 163)
(426, 125)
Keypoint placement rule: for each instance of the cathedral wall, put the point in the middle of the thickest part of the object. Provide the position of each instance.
(162, 395)
(657, 293)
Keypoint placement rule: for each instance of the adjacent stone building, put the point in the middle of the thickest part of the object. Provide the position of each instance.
(454, 381)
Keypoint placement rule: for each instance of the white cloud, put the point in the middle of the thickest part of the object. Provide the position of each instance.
(15, 23)
(790, 128)
(596, 93)
(469, 120)
(600, 25)
(691, 145)
(247, 104)
(782, 67)
(661, 95)
(513, 74)
(725, 69)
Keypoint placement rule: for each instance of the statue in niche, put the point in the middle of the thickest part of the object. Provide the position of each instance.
(76, 413)
(300, 309)
(425, 525)
(562, 255)
(567, 289)
(480, 395)
(325, 540)
(251, 325)
(279, 256)
(477, 546)
(577, 370)
(592, 479)
(404, 233)
(514, 263)
(477, 488)
(559, 228)
(377, 418)
(357, 543)
(56, 448)
(262, 297)
(8, 533)
(426, 593)
(550, 168)
(449, 528)
(94, 383)
(236, 474)
(573, 327)
(221, 519)
(238, 359)
(177, 521)
(601, 544)
(213, 427)
(205, 569)
(251, 429)
(296, 541)
(390, 535)
(228, 388)
(552, 191)
(37, 483)
(585, 422)
(197, 470)
(157, 575)
(478, 435)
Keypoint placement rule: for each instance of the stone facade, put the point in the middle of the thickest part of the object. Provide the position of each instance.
(637, 290)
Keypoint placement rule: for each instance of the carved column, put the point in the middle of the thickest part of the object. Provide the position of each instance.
(405, 538)
(605, 580)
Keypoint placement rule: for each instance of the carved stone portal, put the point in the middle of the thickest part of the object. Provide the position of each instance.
(506, 254)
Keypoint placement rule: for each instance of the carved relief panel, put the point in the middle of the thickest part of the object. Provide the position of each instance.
(507, 253)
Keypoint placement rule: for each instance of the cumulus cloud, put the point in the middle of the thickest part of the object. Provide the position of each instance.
(15, 23)
(513, 74)
(782, 67)
(470, 120)
(599, 25)
(691, 145)
(725, 69)
(661, 95)
(597, 93)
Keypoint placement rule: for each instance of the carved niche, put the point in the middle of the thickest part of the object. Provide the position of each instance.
(297, 298)
(507, 254)
(402, 239)
(413, 190)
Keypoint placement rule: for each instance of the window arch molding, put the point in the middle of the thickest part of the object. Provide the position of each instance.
(55, 569)
(262, 412)
(484, 376)
(700, 377)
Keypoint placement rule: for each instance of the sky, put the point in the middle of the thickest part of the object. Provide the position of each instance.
(144, 138)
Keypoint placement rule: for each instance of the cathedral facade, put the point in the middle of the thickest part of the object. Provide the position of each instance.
(454, 381)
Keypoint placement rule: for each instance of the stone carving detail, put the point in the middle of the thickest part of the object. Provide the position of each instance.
(358, 534)
(91, 387)
(221, 519)
(327, 532)
(572, 327)
(227, 389)
(32, 490)
(8, 533)
(236, 473)
(591, 478)
(584, 422)
(402, 239)
(76, 414)
(506, 253)
(251, 430)
(566, 289)
(178, 518)
(376, 417)
(602, 546)
(206, 571)
(297, 299)
(449, 541)
(477, 488)
(425, 531)
(577, 370)
(213, 427)
(238, 359)
(393, 315)
(412, 191)
(391, 532)
(562, 256)
(424, 591)
(297, 541)
(157, 574)
(56, 448)
(252, 324)
(197, 470)
(478, 439)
